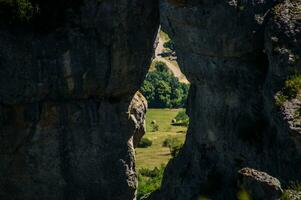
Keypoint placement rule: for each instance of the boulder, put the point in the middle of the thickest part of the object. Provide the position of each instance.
(259, 185)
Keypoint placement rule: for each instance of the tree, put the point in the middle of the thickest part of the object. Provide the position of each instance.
(163, 90)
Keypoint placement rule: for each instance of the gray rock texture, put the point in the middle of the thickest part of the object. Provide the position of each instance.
(259, 185)
(226, 50)
(65, 127)
(68, 77)
(137, 112)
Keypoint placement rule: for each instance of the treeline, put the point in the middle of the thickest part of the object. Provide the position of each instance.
(163, 90)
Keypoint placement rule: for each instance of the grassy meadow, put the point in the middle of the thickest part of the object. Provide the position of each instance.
(156, 154)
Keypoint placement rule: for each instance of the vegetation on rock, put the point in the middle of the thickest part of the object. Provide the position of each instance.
(40, 14)
(291, 89)
(293, 192)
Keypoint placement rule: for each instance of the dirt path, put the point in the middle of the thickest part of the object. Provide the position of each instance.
(174, 68)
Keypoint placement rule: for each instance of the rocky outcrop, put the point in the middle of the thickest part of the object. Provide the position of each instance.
(259, 185)
(68, 75)
(137, 112)
(224, 49)
(65, 130)
(292, 195)
(282, 44)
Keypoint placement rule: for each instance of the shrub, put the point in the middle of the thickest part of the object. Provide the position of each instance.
(280, 99)
(144, 143)
(291, 89)
(169, 45)
(293, 190)
(38, 14)
(161, 66)
(292, 86)
(150, 173)
(181, 119)
(163, 90)
(174, 145)
(155, 126)
(16, 10)
(149, 181)
(181, 116)
(175, 149)
(168, 142)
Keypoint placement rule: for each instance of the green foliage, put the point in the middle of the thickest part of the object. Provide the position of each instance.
(243, 195)
(163, 90)
(149, 181)
(293, 190)
(155, 126)
(144, 143)
(203, 198)
(175, 149)
(292, 86)
(169, 45)
(37, 14)
(161, 67)
(280, 99)
(181, 116)
(168, 142)
(291, 89)
(15, 10)
(181, 119)
(173, 144)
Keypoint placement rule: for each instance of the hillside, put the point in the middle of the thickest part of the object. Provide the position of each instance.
(171, 64)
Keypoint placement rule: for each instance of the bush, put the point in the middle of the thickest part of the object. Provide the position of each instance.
(293, 190)
(38, 14)
(292, 86)
(169, 45)
(168, 142)
(155, 127)
(149, 181)
(144, 143)
(181, 119)
(163, 90)
(150, 173)
(16, 10)
(175, 149)
(291, 89)
(174, 145)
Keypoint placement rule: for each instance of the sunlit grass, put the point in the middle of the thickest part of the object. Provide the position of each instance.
(156, 155)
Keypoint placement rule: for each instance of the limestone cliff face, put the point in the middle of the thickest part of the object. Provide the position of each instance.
(68, 117)
(137, 111)
(65, 129)
(226, 50)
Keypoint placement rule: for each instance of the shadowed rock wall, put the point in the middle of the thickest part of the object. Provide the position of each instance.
(226, 50)
(65, 127)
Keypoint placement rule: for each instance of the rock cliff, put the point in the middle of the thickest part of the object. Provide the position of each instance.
(69, 73)
(137, 112)
(237, 56)
(65, 89)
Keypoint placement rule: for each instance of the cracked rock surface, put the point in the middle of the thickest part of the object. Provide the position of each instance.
(65, 129)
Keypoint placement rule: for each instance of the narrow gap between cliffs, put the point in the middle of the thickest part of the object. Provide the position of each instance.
(166, 90)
